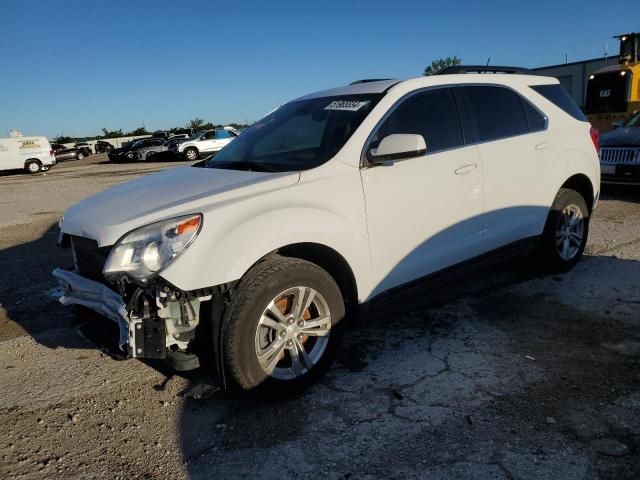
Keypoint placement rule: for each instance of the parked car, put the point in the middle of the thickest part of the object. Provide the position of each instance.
(64, 154)
(127, 152)
(185, 133)
(256, 258)
(179, 136)
(158, 152)
(103, 147)
(620, 152)
(83, 147)
(33, 154)
(205, 143)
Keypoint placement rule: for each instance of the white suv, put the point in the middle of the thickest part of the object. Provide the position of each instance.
(254, 259)
(205, 143)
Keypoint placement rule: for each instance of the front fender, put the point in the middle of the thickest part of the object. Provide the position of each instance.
(215, 259)
(325, 206)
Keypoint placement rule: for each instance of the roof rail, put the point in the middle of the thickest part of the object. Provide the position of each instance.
(367, 80)
(484, 69)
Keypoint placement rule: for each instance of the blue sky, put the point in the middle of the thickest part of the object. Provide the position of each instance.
(73, 67)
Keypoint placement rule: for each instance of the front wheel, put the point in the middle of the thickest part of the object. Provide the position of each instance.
(191, 154)
(283, 325)
(566, 231)
(80, 156)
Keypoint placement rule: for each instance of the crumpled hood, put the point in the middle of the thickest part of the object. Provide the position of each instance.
(108, 215)
(621, 137)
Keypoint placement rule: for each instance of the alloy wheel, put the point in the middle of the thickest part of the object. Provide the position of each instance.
(570, 232)
(293, 333)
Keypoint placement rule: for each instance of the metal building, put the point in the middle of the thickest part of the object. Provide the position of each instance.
(575, 75)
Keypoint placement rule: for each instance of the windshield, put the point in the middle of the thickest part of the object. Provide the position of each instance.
(633, 121)
(297, 136)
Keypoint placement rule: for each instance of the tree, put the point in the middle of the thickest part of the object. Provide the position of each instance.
(195, 124)
(112, 133)
(63, 139)
(139, 131)
(440, 64)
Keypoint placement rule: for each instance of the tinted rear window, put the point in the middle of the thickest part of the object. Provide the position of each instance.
(559, 96)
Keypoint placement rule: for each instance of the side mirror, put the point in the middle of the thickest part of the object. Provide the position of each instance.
(617, 124)
(398, 146)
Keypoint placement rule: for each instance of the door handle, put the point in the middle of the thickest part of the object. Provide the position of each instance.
(542, 146)
(466, 169)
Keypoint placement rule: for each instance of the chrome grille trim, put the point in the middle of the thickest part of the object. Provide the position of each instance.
(617, 155)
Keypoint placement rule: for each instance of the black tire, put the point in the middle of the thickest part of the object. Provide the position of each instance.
(149, 156)
(191, 154)
(262, 284)
(80, 156)
(549, 251)
(33, 166)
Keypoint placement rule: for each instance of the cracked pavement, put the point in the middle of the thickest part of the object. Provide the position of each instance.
(505, 374)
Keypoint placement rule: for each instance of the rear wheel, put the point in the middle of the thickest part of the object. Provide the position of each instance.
(149, 156)
(191, 154)
(283, 325)
(33, 166)
(566, 231)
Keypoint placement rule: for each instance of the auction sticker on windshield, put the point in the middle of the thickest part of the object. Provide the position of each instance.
(348, 105)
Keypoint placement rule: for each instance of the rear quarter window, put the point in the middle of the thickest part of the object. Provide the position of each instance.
(557, 95)
(536, 120)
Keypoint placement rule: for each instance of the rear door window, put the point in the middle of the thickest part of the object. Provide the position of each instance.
(492, 112)
(223, 134)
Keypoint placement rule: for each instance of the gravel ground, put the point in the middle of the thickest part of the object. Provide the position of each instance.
(509, 375)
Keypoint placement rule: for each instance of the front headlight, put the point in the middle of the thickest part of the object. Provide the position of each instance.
(144, 252)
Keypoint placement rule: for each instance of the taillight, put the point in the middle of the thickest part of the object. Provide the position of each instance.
(51, 152)
(595, 138)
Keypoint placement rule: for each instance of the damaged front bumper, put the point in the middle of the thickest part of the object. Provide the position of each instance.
(77, 290)
(158, 323)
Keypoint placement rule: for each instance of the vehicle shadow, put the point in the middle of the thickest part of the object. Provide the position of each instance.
(478, 353)
(624, 193)
(427, 361)
(20, 172)
(29, 300)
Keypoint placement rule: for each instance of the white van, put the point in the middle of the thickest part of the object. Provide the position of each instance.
(32, 154)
